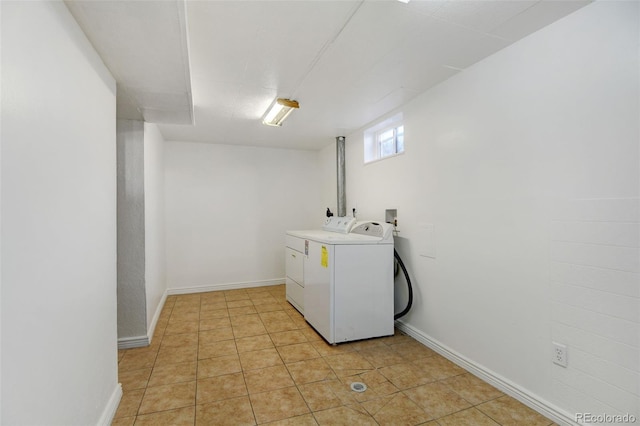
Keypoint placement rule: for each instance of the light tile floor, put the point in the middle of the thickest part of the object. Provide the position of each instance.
(246, 357)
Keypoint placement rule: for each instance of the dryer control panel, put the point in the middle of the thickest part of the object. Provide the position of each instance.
(342, 224)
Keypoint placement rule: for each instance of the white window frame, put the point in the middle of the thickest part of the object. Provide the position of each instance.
(372, 143)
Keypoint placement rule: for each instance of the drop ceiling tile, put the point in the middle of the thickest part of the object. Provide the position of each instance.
(405, 69)
(450, 44)
(482, 16)
(375, 30)
(136, 35)
(536, 17)
(174, 116)
(163, 101)
(221, 37)
(275, 44)
(252, 102)
(142, 43)
(215, 98)
(425, 7)
(392, 100)
(245, 53)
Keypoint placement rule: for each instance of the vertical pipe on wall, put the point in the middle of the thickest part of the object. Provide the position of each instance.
(342, 196)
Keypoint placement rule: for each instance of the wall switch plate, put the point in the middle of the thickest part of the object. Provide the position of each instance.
(559, 355)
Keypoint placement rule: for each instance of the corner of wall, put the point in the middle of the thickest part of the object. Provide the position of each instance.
(156, 317)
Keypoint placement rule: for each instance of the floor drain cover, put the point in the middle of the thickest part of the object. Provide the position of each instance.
(358, 387)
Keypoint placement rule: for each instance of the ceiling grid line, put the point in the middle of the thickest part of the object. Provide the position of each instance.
(348, 63)
(326, 46)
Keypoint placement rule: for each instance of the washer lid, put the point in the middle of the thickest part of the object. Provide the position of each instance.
(337, 238)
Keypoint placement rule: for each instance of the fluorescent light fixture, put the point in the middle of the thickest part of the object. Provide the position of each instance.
(403, 1)
(279, 110)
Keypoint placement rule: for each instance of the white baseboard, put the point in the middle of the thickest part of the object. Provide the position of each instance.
(143, 341)
(229, 286)
(526, 397)
(133, 342)
(156, 316)
(112, 406)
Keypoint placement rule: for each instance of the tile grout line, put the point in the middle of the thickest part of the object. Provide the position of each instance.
(195, 402)
(153, 367)
(244, 377)
(361, 350)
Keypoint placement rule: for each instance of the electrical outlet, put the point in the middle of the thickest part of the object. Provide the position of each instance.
(559, 355)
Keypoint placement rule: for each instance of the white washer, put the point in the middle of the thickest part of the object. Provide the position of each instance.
(348, 281)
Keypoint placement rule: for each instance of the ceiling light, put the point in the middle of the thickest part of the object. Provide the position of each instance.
(403, 1)
(278, 111)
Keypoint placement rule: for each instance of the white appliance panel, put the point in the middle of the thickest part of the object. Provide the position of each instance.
(347, 279)
(337, 238)
(318, 290)
(294, 265)
(296, 243)
(295, 294)
(294, 262)
(363, 292)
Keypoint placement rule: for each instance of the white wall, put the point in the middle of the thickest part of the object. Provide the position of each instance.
(227, 209)
(141, 248)
(59, 359)
(155, 281)
(132, 302)
(328, 192)
(526, 166)
(1, 110)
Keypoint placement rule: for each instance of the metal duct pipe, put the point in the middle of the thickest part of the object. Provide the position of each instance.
(342, 195)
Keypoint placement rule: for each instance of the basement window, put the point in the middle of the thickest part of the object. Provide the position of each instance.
(385, 139)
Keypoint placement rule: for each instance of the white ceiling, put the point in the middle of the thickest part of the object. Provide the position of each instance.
(346, 62)
(144, 44)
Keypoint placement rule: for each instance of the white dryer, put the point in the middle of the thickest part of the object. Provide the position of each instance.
(296, 252)
(348, 281)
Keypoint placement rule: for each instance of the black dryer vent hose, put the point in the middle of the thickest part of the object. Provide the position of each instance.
(409, 287)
